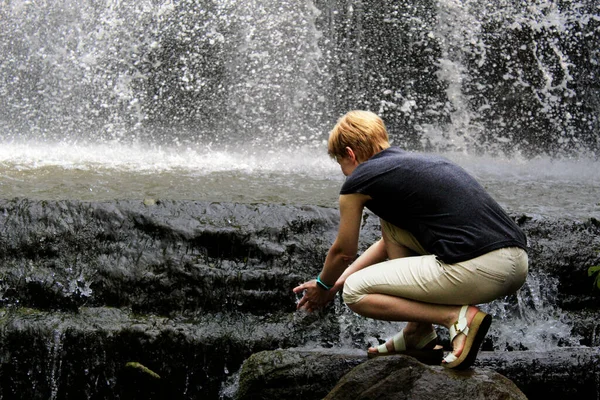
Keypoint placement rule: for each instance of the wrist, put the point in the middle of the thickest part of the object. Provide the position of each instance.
(323, 285)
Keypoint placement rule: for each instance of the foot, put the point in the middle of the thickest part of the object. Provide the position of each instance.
(467, 335)
(458, 343)
(412, 340)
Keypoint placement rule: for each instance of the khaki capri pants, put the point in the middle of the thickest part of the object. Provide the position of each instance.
(427, 279)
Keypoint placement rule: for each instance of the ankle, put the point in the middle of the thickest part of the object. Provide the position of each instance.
(418, 328)
(454, 315)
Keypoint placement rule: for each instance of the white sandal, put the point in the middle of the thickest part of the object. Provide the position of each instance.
(475, 334)
(427, 356)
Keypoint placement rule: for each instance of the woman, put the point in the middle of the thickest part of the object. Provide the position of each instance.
(446, 245)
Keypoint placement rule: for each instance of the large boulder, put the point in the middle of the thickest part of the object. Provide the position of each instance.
(404, 378)
(332, 374)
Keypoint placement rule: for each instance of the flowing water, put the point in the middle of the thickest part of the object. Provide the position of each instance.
(231, 101)
(556, 188)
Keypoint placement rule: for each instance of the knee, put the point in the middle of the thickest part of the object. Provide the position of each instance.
(350, 293)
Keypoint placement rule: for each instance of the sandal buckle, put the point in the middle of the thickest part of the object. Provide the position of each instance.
(457, 328)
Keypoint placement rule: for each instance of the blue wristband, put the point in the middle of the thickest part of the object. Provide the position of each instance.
(321, 284)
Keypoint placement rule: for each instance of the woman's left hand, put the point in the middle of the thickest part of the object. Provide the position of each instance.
(314, 297)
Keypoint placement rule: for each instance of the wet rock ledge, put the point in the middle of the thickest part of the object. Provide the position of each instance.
(139, 299)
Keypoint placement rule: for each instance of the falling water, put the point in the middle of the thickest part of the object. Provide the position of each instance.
(175, 73)
(55, 352)
(446, 75)
(530, 320)
(229, 100)
(543, 326)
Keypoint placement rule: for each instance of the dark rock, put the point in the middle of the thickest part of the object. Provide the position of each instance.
(557, 373)
(86, 354)
(402, 377)
(280, 374)
(564, 249)
(180, 256)
(302, 374)
(195, 288)
(165, 258)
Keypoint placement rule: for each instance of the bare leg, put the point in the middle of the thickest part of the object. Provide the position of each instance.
(420, 316)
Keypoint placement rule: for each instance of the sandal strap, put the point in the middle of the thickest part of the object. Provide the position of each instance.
(460, 326)
(450, 358)
(399, 342)
(382, 349)
(426, 339)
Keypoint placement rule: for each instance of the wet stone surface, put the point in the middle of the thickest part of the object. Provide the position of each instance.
(189, 290)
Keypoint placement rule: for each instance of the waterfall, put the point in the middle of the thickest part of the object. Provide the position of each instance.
(445, 75)
(544, 326)
(55, 358)
(159, 72)
(140, 138)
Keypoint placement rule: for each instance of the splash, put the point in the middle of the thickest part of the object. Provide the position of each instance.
(517, 72)
(534, 322)
(529, 320)
(503, 78)
(150, 158)
(192, 72)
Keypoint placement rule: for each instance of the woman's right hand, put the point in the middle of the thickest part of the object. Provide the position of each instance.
(313, 296)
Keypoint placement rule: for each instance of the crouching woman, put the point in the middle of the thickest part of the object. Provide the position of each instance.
(446, 245)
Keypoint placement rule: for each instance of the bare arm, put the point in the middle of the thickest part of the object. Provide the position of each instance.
(344, 248)
(339, 256)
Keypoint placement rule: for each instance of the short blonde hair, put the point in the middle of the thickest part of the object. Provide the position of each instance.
(363, 131)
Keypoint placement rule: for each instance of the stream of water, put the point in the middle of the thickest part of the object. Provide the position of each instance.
(559, 188)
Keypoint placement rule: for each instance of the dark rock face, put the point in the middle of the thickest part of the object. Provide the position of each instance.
(280, 374)
(164, 258)
(187, 289)
(190, 290)
(175, 256)
(566, 249)
(558, 373)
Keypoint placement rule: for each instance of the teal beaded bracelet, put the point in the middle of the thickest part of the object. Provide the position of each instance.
(323, 285)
